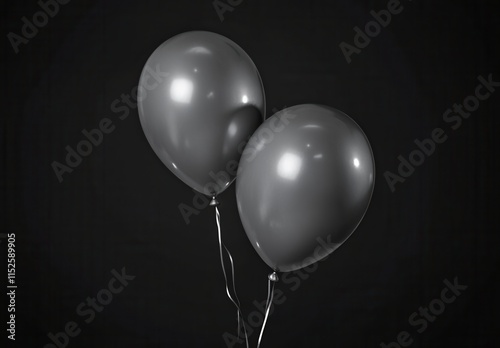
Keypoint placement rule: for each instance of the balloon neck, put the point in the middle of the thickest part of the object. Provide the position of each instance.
(273, 277)
(214, 202)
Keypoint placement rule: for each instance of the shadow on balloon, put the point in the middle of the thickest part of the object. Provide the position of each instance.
(243, 121)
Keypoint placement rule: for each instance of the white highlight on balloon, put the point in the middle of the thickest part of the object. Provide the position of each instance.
(199, 49)
(232, 130)
(356, 162)
(181, 91)
(289, 166)
(244, 99)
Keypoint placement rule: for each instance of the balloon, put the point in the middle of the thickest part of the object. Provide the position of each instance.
(304, 183)
(200, 98)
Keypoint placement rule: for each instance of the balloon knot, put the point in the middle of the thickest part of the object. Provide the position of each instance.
(214, 202)
(273, 277)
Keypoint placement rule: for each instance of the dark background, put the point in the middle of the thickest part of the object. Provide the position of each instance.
(119, 208)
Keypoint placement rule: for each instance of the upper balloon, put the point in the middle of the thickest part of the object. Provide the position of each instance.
(200, 97)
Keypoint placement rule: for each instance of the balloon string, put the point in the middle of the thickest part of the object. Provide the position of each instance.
(241, 322)
(272, 279)
(238, 306)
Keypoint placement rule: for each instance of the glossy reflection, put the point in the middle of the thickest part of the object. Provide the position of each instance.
(302, 192)
(201, 97)
(181, 91)
(289, 166)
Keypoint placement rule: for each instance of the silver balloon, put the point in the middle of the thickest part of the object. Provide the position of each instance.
(200, 97)
(304, 183)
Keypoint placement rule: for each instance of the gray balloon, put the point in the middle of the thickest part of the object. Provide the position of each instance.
(304, 183)
(200, 98)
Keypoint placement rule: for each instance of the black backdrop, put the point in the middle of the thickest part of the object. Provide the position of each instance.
(119, 207)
